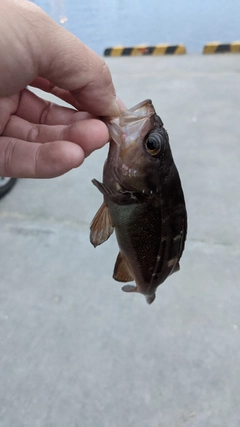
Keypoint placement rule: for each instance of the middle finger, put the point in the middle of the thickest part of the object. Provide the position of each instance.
(37, 110)
(90, 134)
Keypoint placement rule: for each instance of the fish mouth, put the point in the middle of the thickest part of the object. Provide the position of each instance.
(126, 129)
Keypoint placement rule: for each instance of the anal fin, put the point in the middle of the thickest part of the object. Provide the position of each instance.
(101, 227)
(129, 288)
(121, 271)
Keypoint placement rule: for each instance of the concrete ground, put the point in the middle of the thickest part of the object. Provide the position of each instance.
(75, 351)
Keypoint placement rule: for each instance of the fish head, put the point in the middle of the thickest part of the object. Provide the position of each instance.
(138, 144)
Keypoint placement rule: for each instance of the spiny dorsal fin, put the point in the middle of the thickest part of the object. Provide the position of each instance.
(121, 271)
(101, 227)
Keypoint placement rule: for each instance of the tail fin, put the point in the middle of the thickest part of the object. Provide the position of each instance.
(150, 298)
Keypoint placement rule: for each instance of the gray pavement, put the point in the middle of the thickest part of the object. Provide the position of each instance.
(75, 351)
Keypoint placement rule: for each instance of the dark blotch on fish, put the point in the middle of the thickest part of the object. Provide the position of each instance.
(143, 201)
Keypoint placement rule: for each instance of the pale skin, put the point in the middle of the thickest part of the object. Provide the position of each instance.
(39, 139)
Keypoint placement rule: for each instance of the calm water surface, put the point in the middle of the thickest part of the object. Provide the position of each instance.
(105, 23)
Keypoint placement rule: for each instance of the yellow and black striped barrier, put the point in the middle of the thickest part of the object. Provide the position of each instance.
(159, 49)
(216, 47)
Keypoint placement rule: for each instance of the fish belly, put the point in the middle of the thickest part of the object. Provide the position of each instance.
(138, 232)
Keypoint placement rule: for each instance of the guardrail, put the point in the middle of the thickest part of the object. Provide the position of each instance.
(168, 49)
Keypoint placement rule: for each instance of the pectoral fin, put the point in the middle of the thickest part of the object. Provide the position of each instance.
(121, 271)
(101, 227)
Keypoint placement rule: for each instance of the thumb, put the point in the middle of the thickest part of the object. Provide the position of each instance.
(50, 51)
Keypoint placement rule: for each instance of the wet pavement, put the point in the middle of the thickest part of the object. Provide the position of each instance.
(75, 350)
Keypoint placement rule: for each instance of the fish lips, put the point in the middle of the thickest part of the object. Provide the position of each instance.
(132, 125)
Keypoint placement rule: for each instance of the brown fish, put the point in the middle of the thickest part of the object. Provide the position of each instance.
(143, 201)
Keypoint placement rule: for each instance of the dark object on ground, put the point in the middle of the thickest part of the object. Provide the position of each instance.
(6, 184)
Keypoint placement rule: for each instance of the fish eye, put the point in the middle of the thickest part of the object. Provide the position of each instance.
(153, 144)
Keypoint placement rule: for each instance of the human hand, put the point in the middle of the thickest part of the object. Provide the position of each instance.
(39, 139)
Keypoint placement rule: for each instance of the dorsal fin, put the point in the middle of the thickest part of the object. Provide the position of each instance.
(101, 227)
(121, 271)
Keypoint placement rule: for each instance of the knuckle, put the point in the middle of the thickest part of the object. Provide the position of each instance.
(105, 74)
(45, 113)
(33, 133)
(36, 172)
(7, 156)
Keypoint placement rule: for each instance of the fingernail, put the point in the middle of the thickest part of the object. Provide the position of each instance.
(116, 108)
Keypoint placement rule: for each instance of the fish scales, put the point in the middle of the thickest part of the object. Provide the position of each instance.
(143, 201)
(138, 238)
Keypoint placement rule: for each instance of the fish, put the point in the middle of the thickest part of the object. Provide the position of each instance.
(143, 201)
